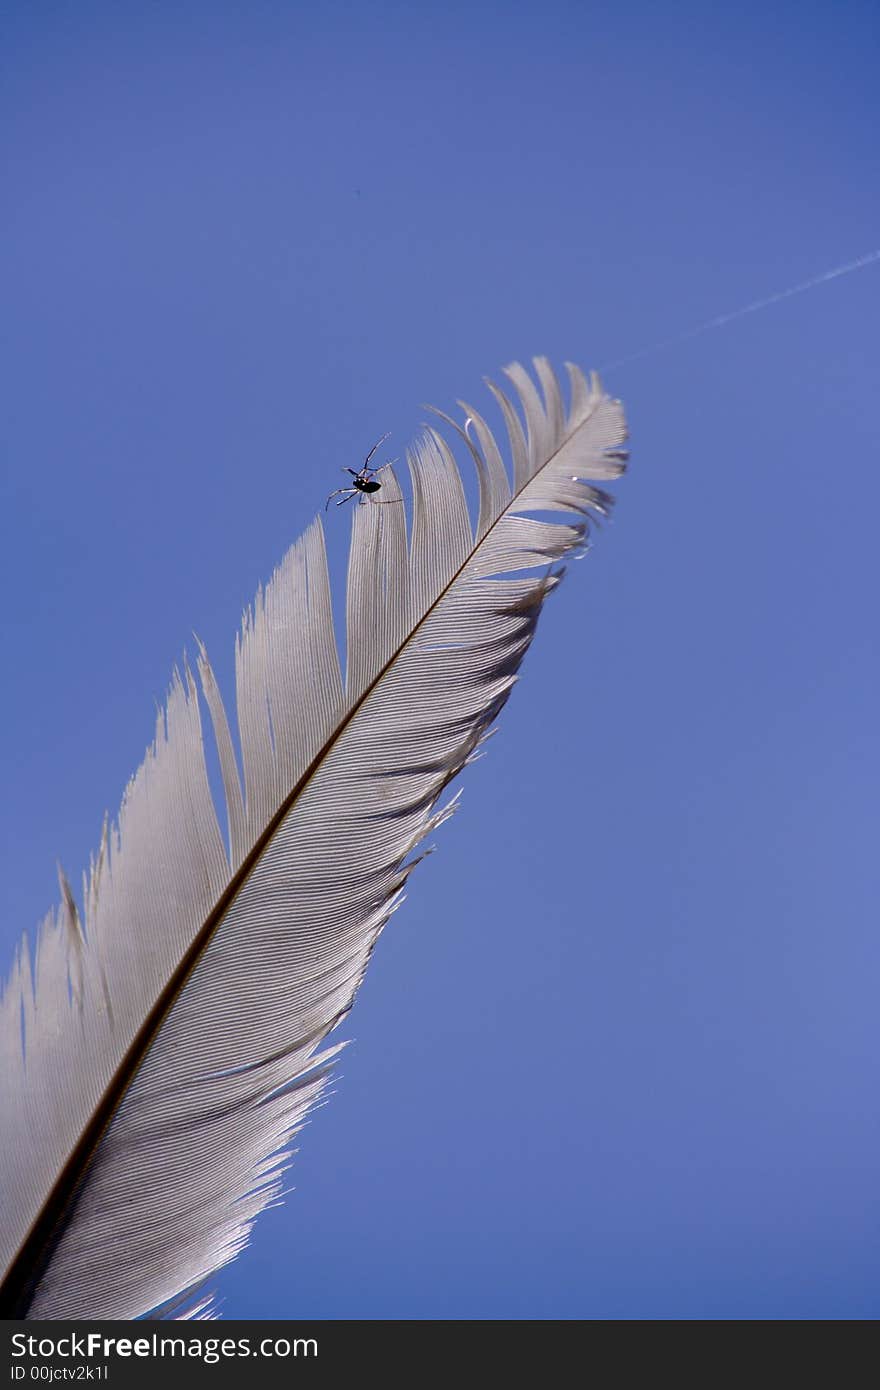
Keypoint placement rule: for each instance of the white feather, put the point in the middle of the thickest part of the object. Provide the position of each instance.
(158, 1056)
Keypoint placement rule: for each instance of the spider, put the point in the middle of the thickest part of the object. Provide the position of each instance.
(365, 482)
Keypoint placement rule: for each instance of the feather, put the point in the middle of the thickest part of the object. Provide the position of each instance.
(159, 1053)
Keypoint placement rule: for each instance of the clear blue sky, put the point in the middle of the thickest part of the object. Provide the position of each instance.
(618, 1054)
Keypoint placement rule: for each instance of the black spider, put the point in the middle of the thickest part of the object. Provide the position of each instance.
(365, 482)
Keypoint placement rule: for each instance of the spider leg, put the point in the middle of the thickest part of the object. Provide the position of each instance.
(375, 447)
(349, 493)
(347, 490)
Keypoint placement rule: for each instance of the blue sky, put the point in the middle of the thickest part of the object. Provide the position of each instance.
(617, 1056)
